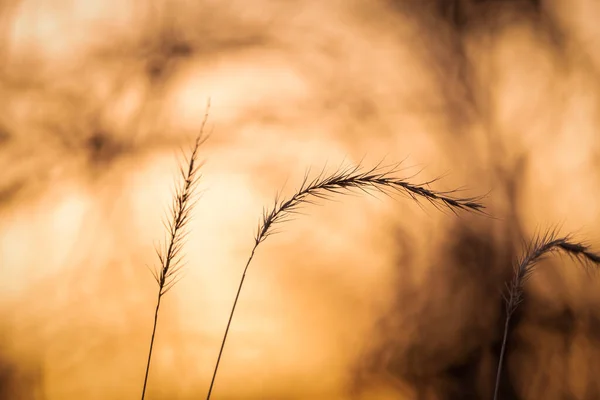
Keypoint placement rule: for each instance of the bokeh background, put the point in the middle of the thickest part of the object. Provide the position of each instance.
(363, 298)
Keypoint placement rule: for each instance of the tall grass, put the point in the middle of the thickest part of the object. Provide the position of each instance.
(380, 179)
(541, 246)
(170, 256)
(345, 180)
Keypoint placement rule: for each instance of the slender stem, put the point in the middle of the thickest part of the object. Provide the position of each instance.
(212, 382)
(167, 274)
(161, 286)
(151, 345)
(502, 351)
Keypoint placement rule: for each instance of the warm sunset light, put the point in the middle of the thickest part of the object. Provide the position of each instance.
(412, 186)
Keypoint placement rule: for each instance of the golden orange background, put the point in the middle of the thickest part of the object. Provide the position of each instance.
(363, 298)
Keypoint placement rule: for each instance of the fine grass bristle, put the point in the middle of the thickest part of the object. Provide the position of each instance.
(539, 247)
(382, 179)
(545, 244)
(170, 256)
(379, 179)
(184, 199)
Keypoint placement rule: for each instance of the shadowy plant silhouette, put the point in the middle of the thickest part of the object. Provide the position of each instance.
(169, 256)
(538, 248)
(380, 179)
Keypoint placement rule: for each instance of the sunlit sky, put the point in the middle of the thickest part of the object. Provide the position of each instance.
(362, 296)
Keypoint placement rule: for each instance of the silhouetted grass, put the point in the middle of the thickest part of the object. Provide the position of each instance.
(170, 256)
(541, 246)
(343, 181)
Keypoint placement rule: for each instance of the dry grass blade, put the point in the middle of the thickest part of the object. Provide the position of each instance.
(540, 247)
(379, 179)
(170, 256)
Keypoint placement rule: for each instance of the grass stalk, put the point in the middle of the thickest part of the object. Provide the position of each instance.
(170, 256)
(540, 247)
(343, 181)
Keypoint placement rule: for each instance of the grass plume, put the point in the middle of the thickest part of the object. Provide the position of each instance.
(539, 248)
(382, 179)
(170, 256)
